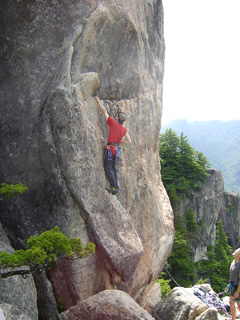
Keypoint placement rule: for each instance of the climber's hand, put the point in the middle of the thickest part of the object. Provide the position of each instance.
(97, 99)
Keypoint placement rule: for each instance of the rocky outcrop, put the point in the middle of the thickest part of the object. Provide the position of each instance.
(230, 215)
(182, 303)
(16, 292)
(108, 304)
(211, 204)
(152, 298)
(11, 312)
(179, 304)
(55, 57)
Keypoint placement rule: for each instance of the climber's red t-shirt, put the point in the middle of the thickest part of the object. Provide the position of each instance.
(116, 132)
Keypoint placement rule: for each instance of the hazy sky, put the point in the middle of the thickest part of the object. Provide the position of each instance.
(202, 60)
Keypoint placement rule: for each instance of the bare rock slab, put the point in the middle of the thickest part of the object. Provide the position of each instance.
(10, 312)
(108, 304)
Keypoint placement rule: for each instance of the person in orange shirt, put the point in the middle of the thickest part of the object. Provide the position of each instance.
(117, 135)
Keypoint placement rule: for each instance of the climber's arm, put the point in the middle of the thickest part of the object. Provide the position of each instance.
(102, 108)
(126, 139)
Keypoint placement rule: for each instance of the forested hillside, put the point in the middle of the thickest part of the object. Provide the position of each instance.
(219, 141)
(203, 212)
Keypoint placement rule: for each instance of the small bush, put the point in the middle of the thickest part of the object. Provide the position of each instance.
(165, 287)
(11, 189)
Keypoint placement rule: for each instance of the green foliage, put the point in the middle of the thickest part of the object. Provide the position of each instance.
(201, 227)
(219, 260)
(180, 223)
(164, 283)
(182, 168)
(180, 263)
(43, 251)
(202, 281)
(219, 142)
(230, 208)
(10, 189)
(191, 223)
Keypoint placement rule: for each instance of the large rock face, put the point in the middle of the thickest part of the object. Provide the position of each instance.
(211, 204)
(54, 57)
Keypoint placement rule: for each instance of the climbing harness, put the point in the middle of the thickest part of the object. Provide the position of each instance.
(231, 285)
(108, 153)
(118, 154)
(118, 157)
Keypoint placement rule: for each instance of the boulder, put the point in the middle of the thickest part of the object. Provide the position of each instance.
(197, 303)
(17, 291)
(46, 301)
(210, 314)
(11, 312)
(152, 298)
(108, 304)
(179, 304)
(2, 316)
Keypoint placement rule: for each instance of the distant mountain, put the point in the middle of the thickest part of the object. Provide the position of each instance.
(219, 141)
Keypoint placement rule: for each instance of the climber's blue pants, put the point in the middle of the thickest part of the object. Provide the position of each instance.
(111, 171)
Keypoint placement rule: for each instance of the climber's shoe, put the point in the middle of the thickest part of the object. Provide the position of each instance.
(112, 190)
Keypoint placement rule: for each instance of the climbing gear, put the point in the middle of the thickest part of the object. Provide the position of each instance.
(108, 153)
(118, 153)
(112, 144)
(112, 190)
(231, 285)
(210, 299)
(118, 157)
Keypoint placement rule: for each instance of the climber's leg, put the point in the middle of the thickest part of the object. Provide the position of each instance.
(109, 171)
(115, 172)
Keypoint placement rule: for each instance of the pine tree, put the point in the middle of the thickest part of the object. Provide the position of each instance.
(219, 260)
(182, 168)
(180, 261)
(42, 253)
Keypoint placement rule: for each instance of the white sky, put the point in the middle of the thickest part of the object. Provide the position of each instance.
(202, 60)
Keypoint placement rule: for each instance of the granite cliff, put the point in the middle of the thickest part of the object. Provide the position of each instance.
(211, 204)
(55, 56)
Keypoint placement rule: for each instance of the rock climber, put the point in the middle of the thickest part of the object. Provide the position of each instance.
(117, 135)
(235, 283)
